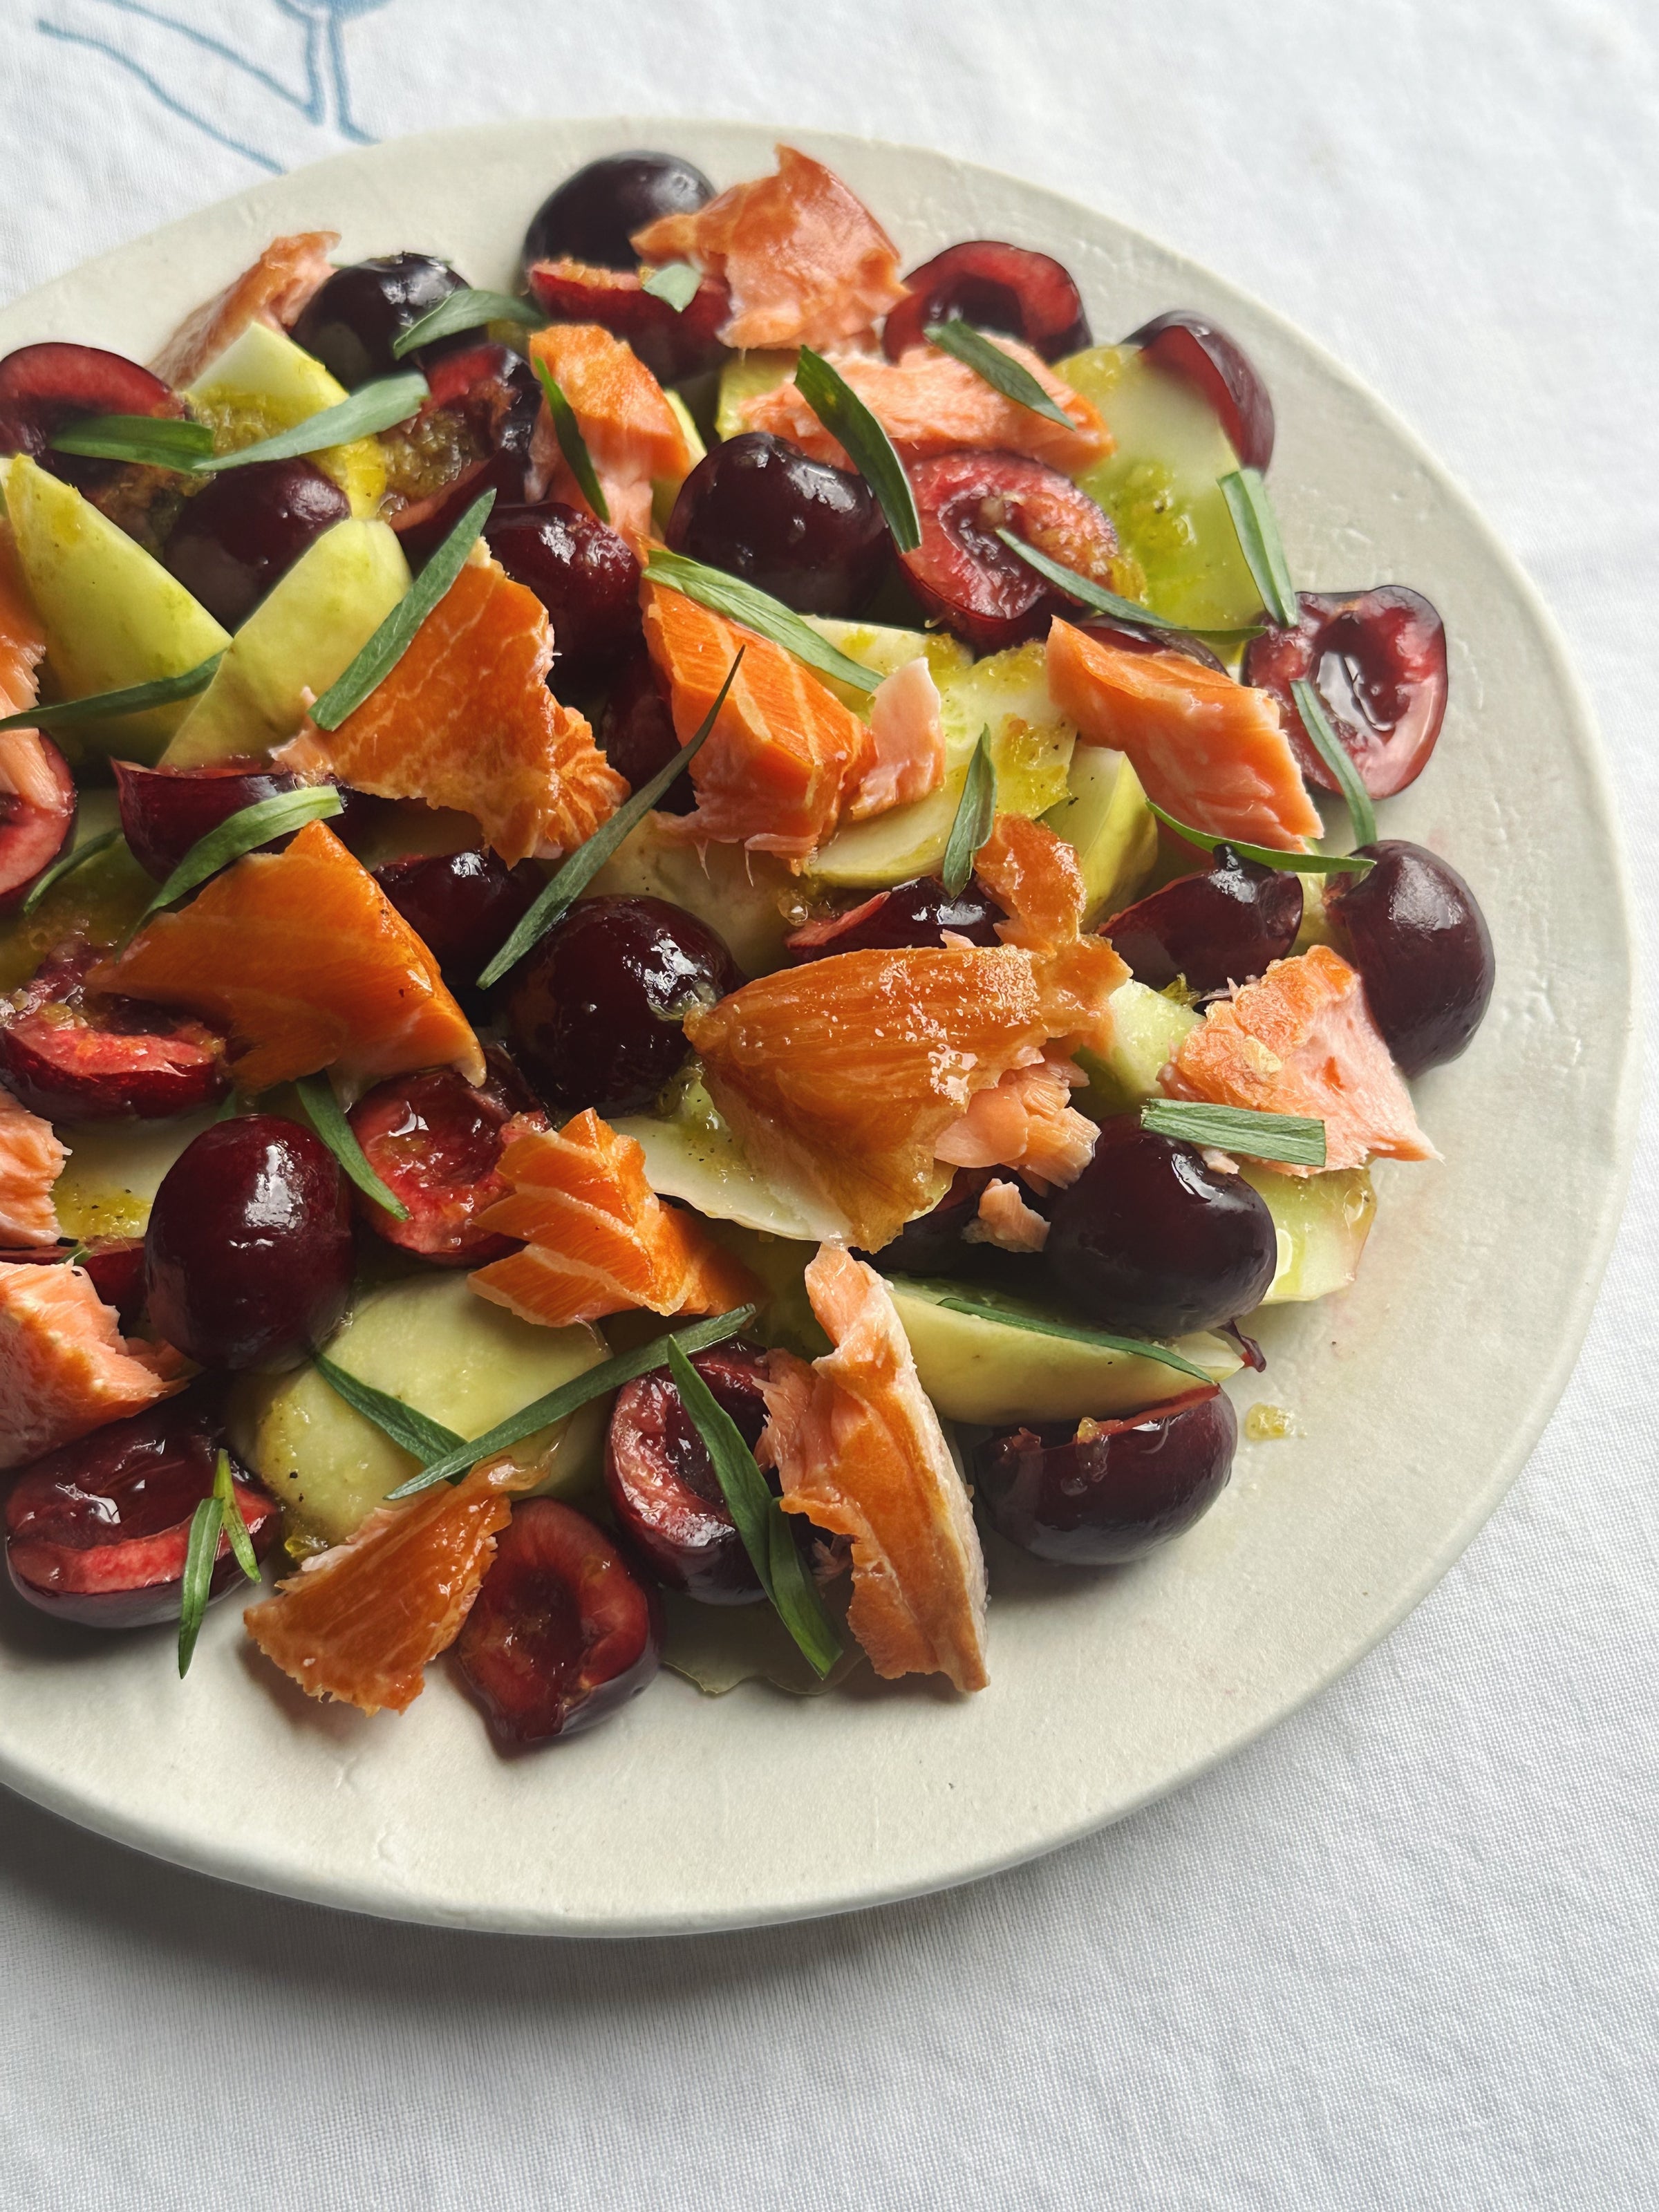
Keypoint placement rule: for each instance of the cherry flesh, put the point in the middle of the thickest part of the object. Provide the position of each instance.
(1223, 926)
(1414, 930)
(1377, 659)
(237, 538)
(463, 906)
(918, 913)
(44, 388)
(967, 578)
(1109, 1491)
(1152, 1238)
(98, 1531)
(1188, 345)
(637, 733)
(593, 215)
(674, 343)
(586, 577)
(248, 1253)
(561, 1634)
(350, 322)
(69, 1055)
(594, 1011)
(436, 1142)
(808, 534)
(995, 287)
(36, 824)
(662, 1485)
(472, 436)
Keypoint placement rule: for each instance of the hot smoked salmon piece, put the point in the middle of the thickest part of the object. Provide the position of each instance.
(274, 291)
(806, 262)
(65, 1366)
(631, 433)
(858, 1448)
(31, 768)
(1210, 751)
(928, 402)
(1027, 1121)
(304, 960)
(1302, 1041)
(360, 1623)
(600, 1240)
(1005, 1219)
(31, 1161)
(1036, 877)
(907, 732)
(785, 752)
(465, 720)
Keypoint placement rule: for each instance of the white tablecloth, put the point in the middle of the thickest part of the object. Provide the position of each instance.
(1401, 1953)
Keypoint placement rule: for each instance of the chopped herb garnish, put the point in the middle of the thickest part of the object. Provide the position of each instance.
(998, 369)
(466, 310)
(409, 1429)
(316, 1096)
(196, 1585)
(571, 444)
(132, 699)
(242, 1544)
(396, 633)
(1266, 856)
(847, 419)
(49, 878)
(982, 1310)
(372, 407)
(767, 618)
(591, 855)
(1295, 1138)
(1337, 757)
(675, 282)
(759, 1517)
(976, 812)
(244, 832)
(160, 441)
(1246, 493)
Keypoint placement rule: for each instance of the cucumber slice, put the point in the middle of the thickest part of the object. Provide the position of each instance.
(1105, 816)
(1146, 1031)
(744, 378)
(748, 899)
(263, 383)
(691, 1154)
(1323, 1222)
(886, 651)
(115, 1170)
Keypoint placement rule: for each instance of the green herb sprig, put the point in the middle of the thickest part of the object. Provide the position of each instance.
(1297, 1139)
(1088, 594)
(466, 310)
(49, 879)
(676, 282)
(396, 633)
(161, 441)
(243, 832)
(329, 1120)
(848, 420)
(1266, 856)
(217, 1514)
(1245, 491)
(132, 699)
(1337, 757)
(766, 616)
(976, 813)
(982, 1310)
(571, 444)
(410, 1429)
(998, 369)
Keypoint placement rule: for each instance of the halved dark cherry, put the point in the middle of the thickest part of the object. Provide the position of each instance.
(808, 534)
(1377, 659)
(918, 913)
(436, 1142)
(1414, 930)
(241, 535)
(593, 215)
(43, 388)
(584, 574)
(463, 906)
(662, 1484)
(73, 1056)
(1218, 367)
(1109, 1491)
(472, 436)
(166, 810)
(37, 815)
(995, 287)
(673, 344)
(98, 1531)
(350, 322)
(963, 573)
(1222, 926)
(637, 733)
(561, 1633)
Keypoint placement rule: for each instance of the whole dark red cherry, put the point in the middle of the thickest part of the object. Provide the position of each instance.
(1414, 930)
(673, 343)
(561, 1633)
(594, 1010)
(43, 388)
(463, 906)
(237, 538)
(37, 817)
(662, 1485)
(810, 535)
(1152, 1238)
(436, 1142)
(98, 1532)
(248, 1254)
(967, 578)
(593, 215)
(586, 577)
(1109, 1491)
(1225, 926)
(1377, 659)
(637, 733)
(918, 913)
(1219, 370)
(72, 1055)
(995, 287)
(350, 322)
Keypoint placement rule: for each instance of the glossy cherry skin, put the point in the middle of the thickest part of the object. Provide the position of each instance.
(1377, 659)
(673, 343)
(561, 1633)
(594, 1010)
(934, 1243)
(488, 399)
(961, 572)
(662, 1485)
(351, 321)
(807, 533)
(241, 535)
(35, 824)
(918, 913)
(1108, 1490)
(436, 1142)
(43, 388)
(1150, 1239)
(463, 906)
(1219, 370)
(1414, 930)
(1223, 926)
(586, 577)
(637, 733)
(98, 1531)
(593, 215)
(248, 1254)
(166, 810)
(995, 287)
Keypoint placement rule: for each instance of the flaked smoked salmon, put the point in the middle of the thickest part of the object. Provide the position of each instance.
(631, 433)
(858, 1448)
(1027, 1122)
(275, 290)
(1210, 751)
(65, 1366)
(1005, 1219)
(1036, 877)
(806, 262)
(1302, 1041)
(907, 731)
(304, 960)
(31, 1161)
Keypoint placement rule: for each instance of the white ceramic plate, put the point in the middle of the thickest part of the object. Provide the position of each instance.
(1417, 1395)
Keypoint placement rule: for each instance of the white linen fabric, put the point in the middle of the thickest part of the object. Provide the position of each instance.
(1399, 1954)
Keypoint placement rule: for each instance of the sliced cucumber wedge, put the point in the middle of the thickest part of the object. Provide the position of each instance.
(1323, 1222)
